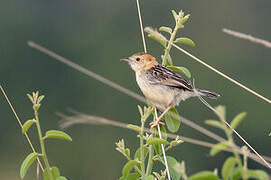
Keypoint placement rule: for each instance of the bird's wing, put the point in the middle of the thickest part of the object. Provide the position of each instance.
(164, 76)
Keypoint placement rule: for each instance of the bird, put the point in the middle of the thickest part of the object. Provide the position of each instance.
(161, 86)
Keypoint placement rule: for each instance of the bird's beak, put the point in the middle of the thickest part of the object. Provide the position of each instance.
(125, 60)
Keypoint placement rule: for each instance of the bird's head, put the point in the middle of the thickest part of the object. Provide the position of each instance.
(140, 62)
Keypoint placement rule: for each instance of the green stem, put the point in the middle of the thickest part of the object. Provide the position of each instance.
(169, 45)
(150, 161)
(43, 151)
(244, 173)
(232, 144)
(142, 147)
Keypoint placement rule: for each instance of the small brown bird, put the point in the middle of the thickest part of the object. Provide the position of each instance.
(162, 87)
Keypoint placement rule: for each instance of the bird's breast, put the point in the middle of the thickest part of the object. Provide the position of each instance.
(159, 95)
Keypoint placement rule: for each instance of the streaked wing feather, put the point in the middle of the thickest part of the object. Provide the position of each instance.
(164, 76)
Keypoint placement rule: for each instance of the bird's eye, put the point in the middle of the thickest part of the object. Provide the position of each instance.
(138, 59)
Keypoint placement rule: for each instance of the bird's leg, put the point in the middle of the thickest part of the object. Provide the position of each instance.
(157, 121)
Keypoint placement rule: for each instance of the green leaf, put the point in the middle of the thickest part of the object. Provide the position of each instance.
(185, 41)
(167, 61)
(215, 123)
(134, 127)
(221, 112)
(27, 125)
(185, 18)
(228, 167)
(128, 167)
(269, 134)
(165, 29)
(27, 163)
(40, 98)
(149, 177)
(30, 98)
(55, 172)
(45, 174)
(237, 174)
(175, 15)
(140, 110)
(57, 134)
(204, 175)
(258, 174)
(156, 140)
(172, 122)
(172, 162)
(132, 176)
(138, 153)
(183, 70)
(217, 148)
(61, 178)
(238, 119)
(161, 41)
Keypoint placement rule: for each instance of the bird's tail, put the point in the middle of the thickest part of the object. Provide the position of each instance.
(209, 94)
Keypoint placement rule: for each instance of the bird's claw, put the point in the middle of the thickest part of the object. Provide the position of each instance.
(156, 123)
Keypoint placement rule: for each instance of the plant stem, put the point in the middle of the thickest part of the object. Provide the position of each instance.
(150, 161)
(142, 146)
(169, 45)
(244, 171)
(43, 151)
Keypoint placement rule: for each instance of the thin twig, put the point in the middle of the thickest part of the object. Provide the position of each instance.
(145, 50)
(215, 111)
(121, 89)
(20, 123)
(150, 30)
(247, 37)
(141, 26)
(162, 145)
(81, 118)
(85, 71)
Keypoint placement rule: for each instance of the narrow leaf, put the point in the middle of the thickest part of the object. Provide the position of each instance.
(185, 18)
(161, 41)
(58, 135)
(238, 119)
(27, 163)
(40, 98)
(128, 167)
(175, 15)
(27, 125)
(185, 41)
(172, 122)
(258, 174)
(183, 70)
(61, 178)
(134, 127)
(149, 177)
(217, 148)
(131, 176)
(228, 167)
(156, 140)
(167, 61)
(45, 174)
(138, 153)
(204, 175)
(30, 98)
(55, 172)
(221, 112)
(172, 162)
(140, 110)
(214, 123)
(165, 29)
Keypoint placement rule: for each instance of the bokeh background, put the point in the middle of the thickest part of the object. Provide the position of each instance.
(96, 34)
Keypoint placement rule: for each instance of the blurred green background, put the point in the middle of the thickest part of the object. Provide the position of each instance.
(96, 34)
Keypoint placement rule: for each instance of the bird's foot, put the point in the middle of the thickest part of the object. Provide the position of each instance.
(156, 123)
